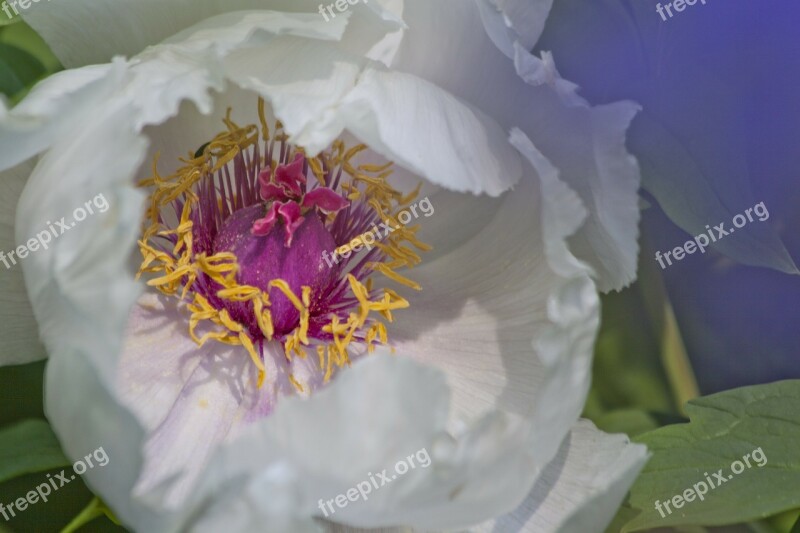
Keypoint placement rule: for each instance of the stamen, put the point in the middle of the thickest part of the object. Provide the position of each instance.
(230, 176)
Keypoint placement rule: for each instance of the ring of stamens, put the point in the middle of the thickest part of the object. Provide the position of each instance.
(201, 195)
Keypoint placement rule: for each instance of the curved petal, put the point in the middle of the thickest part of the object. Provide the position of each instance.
(318, 91)
(586, 144)
(298, 442)
(264, 225)
(18, 327)
(581, 489)
(80, 285)
(325, 199)
(83, 427)
(270, 191)
(291, 175)
(399, 117)
(609, 241)
(127, 28)
(81, 290)
(511, 316)
(514, 21)
(187, 398)
(51, 110)
(338, 91)
(189, 64)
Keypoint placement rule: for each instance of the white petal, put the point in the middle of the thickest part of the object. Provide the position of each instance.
(244, 509)
(188, 398)
(340, 436)
(514, 21)
(431, 133)
(78, 286)
(304, 81)
(191, 63)
(18, 327)
(542, 71)
(332, 440)
(87, 416)
(582, 488)
(224, 31)
(127, 28)
(586, 144)
(609, 241)
(81, 290)
(52, 109)
(317, 92)
(573, 306)
(338, 528)
(511, 315)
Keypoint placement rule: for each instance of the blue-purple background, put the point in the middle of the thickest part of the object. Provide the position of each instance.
(724, 80)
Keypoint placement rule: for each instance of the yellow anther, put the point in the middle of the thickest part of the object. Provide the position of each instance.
(262, 117)
(228, 322)
(296, 383)
(391, 274)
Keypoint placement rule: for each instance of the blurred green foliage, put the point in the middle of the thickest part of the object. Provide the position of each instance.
(29, 452)
(24, 59)
(29, 446)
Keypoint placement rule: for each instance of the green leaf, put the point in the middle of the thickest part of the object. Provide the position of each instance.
(783, 522)
(723, 429)
(6, 21)
(23, 36)
(632, 422)
(28, 447)
(22, 392)
(18, 69)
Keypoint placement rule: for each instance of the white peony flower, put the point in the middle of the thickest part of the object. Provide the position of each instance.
(235, 390)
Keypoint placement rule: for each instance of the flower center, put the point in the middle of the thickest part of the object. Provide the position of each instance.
(244, 232)
(263, 258)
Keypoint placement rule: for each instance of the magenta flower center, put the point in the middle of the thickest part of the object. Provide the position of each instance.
(254, 246)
